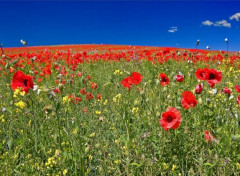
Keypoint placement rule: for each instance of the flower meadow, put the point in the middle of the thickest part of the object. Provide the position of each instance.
(119, 110)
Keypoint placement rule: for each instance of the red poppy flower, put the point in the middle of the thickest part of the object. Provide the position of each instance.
(22, 81)
(201, 74)
(164, 79)
(127, 82)
(78, 99)
(137, 78)
(11, 70)
(79, 74)
(39, 80)
(99, 97)
(208, 136)
(72, 75)
(179, 78)
(227, 90)
(74, 99)
(85, 110)
(74, 67)
(198, 88)
(170, 119)
(238, 100)
(56, 67)
(89, 96)
(237, 88)
(213, 77)
(57, 90)
(88, 77)
(93, 85)
(83, 91)
(188, 100)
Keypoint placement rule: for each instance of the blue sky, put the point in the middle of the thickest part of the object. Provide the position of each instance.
(151, 23)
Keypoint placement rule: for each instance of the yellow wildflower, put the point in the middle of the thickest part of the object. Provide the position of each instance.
(22, 93)
(75, 131)
(66, 99)
(20, 104)
(65, 171)
(230, 85)
(57, 152)
(174, 167)
(238, 166)
(105, 102)
(165, 165)
(2, 118)
(117, 161)
(98, 112)
(118, 95)
(135, 110)
(117, 98)
(90, 157)
(92, 135)
(16, 92)
(117, 72)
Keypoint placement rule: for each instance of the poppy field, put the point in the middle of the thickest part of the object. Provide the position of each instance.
(119, 110)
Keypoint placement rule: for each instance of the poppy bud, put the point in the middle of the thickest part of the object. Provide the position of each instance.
(179, 78)
(199, 88)
(227, 90)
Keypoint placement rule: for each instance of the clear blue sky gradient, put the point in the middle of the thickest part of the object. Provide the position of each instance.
(120, 22)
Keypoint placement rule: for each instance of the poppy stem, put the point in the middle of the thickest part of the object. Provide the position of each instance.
(35, 128)
(227, 48)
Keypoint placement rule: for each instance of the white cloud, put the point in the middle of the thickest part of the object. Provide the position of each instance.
(236, 16)
(173, 29)
(222, 23)
(207, 23)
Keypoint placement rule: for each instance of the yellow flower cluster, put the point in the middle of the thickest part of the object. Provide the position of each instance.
(18, 92)
(2, 118)
(135, 110)
(98, 112)
(117, 72)
(117, 98)
(66, 99)
(20, 104)
(105, 102)
(53, 160)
